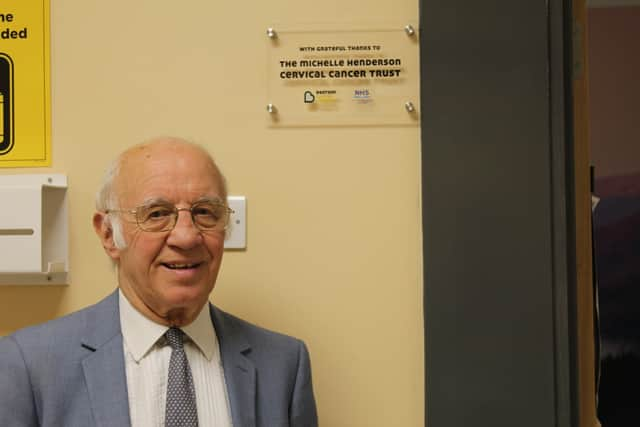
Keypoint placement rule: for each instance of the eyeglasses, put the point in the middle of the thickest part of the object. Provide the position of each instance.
(162, 216)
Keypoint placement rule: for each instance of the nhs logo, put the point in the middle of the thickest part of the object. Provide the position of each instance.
(362, 96)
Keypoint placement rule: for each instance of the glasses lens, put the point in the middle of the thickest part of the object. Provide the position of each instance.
(156, 217)
(209, 216)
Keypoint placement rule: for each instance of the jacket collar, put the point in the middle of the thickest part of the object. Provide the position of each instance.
(103, 365)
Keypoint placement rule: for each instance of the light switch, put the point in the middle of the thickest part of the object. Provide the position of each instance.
(237, 230)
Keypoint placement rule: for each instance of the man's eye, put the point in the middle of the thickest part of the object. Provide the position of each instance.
(211, 211)
(156, 213)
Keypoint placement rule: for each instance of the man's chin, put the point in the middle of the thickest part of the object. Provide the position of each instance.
(190, 296)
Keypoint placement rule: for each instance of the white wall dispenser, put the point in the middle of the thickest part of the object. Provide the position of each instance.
(33, 229)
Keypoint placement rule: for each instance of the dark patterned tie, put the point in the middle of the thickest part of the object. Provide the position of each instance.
(181, 408)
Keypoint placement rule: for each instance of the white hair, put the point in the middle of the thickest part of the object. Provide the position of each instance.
(106, 200)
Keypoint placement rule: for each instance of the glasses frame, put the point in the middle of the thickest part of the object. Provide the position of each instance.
(176, 210)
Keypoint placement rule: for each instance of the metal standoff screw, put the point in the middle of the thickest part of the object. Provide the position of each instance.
(271, 33)
(409, 107)
(409, 30)
(271, 109)
(49, 180)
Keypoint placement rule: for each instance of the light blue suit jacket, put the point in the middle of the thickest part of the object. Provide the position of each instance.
(70, 373)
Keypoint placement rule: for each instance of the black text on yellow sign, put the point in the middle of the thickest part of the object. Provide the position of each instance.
(25, 111)
(6, 104)
(8, 32)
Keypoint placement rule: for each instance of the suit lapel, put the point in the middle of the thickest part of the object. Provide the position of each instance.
(103, 366)
(239, 370)
(105, 375)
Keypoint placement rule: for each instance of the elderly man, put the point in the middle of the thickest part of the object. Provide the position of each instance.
(156, 352)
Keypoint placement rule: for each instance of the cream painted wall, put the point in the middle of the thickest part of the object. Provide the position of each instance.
(334, 238)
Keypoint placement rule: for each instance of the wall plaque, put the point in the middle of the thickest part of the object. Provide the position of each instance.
(336, 76)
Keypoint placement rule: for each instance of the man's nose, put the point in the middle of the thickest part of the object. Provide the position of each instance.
(185, 234)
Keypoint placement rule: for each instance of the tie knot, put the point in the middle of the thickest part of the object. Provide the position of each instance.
(174, 337)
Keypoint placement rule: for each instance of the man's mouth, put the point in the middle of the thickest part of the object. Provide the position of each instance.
(176, 266)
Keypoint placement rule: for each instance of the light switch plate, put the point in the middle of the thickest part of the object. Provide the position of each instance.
(237, 230)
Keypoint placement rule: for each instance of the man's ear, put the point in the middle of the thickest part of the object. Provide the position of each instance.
(102, 227)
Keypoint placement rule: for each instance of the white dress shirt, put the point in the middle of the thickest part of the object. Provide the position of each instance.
(147, 363)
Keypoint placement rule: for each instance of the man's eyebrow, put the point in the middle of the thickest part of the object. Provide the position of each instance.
(155, 201)
(162, 201)
(210, 199)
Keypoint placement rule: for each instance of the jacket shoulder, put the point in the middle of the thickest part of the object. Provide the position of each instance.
(226, 324)
(63, 329)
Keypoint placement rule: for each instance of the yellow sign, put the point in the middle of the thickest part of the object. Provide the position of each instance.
(25, 111)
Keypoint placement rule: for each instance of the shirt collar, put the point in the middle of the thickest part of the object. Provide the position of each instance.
(141, 333)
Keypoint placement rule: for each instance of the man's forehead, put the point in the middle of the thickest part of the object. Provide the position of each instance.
(145, 195)
(167, 170)
(159, 149)
(169, 154)
(168, 185)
